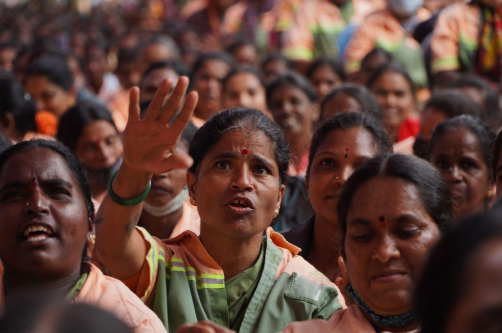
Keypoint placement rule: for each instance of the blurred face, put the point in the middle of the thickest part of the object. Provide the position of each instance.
(97, 64)
(152, 81)
(244, 89)
(167, 186)
(339, 103)
(49, 96)
(459, 157)
(480, 308)
(492, 3)
(330, 168)
(293, 111)
(43, 217)
(237, 193)
(7, 57)
(207, 82)
(368, 66)
(388, 239)
(431, 117)
(273, 69)
(246, 55)
(157, 53)
(99, 147)
(129, 75)
(325, 80)
(395, 97)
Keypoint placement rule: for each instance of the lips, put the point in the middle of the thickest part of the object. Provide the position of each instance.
(388, 276)
(37, 232)
(240, 205)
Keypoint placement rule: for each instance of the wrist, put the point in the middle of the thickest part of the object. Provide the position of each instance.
(129, 183)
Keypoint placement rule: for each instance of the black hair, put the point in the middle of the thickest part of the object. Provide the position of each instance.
(238, 44)
(491, 102)
(453, 103)
(73, 121)
(206, 57)
(127, 55)
(392, 67)
(444, 279)
(244, 70)
(375, 52)
(497, 147)
(98, 43)
(55, 69)
(434, 191)
(346, 121)
(325, 61)
(477, 127)
(178, 67)
(13, 101)
(243, 119)
(361, 94)
(163, 40)
(4, 143)
(292, 79)
(277, 57)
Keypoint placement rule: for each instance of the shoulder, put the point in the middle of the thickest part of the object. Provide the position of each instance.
(301, 235)
(112, 295)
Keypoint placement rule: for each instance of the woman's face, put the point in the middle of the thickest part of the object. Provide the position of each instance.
(480, 307)
(97, 64)
(339, 103)
(167, 186)
(293, 111)
(48, 96)
(43, 217)
(459, 157)
(340, 153)
(325, 80)
(152, 81)
(237, 193)
(244, 89)
(273, 69)
(431, 117)
(387, 242)
(99, 147)
(207, 82)
(395, 97)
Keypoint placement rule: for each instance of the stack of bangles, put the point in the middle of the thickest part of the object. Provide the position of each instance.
(127, 202)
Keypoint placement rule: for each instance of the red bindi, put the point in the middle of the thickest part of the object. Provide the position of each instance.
(34, 181)
(382, 223)
(245, 151)
(346, 151)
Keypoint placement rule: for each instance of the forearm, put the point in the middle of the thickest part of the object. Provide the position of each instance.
(118, 245)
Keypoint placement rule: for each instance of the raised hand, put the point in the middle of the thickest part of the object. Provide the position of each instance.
(149, 143)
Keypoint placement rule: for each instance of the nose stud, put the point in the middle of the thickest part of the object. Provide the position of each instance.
(27, 204)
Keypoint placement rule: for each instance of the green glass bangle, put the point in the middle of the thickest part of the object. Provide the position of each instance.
(127, 202)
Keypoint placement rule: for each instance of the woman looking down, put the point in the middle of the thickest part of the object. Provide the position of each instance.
(229, 274)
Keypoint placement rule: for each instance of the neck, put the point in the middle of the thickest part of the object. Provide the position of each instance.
(233, 255)
(96, 84)
(378, 328)
(31, 282)
(161, 227)
(324, 251)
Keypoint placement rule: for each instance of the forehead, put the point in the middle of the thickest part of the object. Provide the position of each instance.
(357, 138)
(215, 67)
(241, 80)
(37, 83)
(42, 163)
(391, 80)
(455, 139)
(256, 142)
(388, 196)
(162, 73)
(97, 129)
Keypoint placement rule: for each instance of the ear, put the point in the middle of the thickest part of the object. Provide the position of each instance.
(191, 184)
(280, 196)
(92, 217)
(8, 123)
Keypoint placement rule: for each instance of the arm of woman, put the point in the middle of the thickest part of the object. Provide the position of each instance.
(149, 148)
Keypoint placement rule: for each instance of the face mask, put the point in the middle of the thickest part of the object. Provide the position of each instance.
(170, 207)
(405, 8)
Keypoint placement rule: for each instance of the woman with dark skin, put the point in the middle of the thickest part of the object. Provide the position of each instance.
(88, 130)
(240, 161)
(338, 148)
(395, 93)
(291, 100)
(496, 163)
(46, 214)
(471, 252)
(461, 149)
(386, 237)
(325, 74)
(244, 86)
(349, 97)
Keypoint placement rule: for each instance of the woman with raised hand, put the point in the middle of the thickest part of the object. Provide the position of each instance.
(461, 149)
(392, 211)
(229, 274)
(338, 148)
(46, 216)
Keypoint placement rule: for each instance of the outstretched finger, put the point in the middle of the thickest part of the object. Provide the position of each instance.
(186, 112)
(174, 101)
(134, 109)
(158, 100)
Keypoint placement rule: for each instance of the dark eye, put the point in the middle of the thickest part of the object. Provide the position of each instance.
(260, 169)
(327, 162)
(12, 195)
(443, 165)
(362, 236)
(468, 164)
(406, 233)
(58, 192)
(110, 140)
(400, 93)
(222, 165)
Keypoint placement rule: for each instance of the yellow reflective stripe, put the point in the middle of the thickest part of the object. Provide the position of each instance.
(211, 276)
(152, 257)
(333, 29)
(298, 53)
(471, 44)
(447, 63)
(389, 46)
(352, 66)
(177, 260)
(210, 286)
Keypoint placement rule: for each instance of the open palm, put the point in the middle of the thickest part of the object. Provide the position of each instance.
(149, 143)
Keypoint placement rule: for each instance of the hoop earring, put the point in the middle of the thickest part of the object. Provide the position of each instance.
(192, 202)
(276, 213)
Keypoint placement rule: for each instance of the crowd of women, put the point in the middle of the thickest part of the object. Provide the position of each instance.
(251, 166)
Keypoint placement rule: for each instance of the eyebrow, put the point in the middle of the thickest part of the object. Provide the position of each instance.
(359, 221)
(49, 182)
(232, 155)
(10, 185)
(336, 155)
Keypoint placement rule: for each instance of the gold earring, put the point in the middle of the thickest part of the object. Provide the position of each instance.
(489, 195)
(276, 213)
(192, 202)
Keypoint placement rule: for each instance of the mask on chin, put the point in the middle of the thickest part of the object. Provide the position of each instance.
(405, 8)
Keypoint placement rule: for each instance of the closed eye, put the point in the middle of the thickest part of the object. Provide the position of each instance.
(12, 195)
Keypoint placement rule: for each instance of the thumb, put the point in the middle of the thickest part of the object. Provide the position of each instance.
(177, 161)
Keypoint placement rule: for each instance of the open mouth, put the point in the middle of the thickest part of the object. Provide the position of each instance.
(239, 204)
(37, 233)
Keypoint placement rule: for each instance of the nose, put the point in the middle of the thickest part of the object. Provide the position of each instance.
(452, 175)
(386, 250)
(244, 100)
(390, 100)
(242, 180)
(37, 204)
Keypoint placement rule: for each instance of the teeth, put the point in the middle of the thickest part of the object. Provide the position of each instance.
(37, 228)
(37, 238)
(239, 202)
